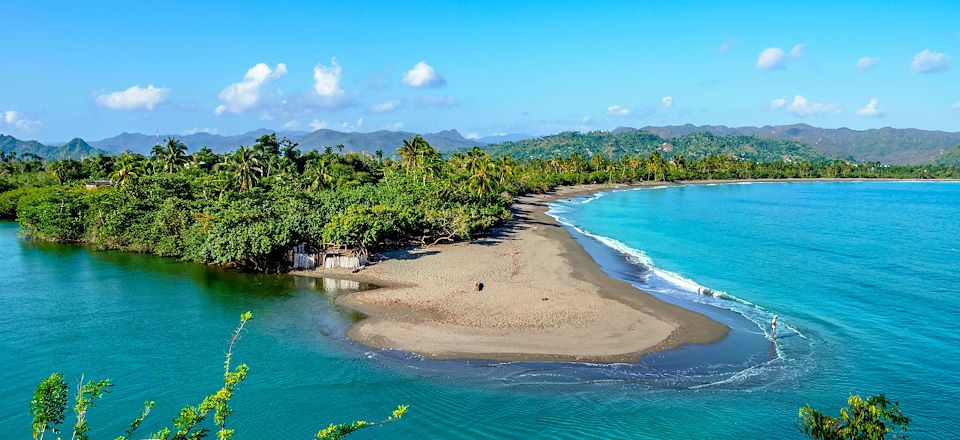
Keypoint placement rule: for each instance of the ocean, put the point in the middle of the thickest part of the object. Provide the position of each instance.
(862, 275)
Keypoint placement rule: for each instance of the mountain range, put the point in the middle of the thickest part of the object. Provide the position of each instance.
(886, 145)
(74, 149)
(384, 140)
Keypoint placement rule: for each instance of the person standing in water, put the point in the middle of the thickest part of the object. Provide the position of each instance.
(773, 327)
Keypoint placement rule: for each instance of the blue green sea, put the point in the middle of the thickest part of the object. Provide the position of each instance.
(862, 274)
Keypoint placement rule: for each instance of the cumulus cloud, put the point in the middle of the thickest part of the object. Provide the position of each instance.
(134, 98)
(927, 61)
(871, 109)
(15, 119)
(772, 58)
(291, 124)
(422, 75)
(352, 127)
(473, 135)
(801, 107)
(317, 124)
(246, 94)
(196, 130)
(866, 63)
(778, 103)
(798, 50)
(667, 102)
(386, 106)
(617, 110)
(327, 79)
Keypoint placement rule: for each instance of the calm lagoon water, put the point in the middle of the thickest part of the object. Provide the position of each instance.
(863, 276)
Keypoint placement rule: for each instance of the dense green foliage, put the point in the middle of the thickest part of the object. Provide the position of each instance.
(873, 419)
(247, 208)
(950, 158)
(620, 143)
(49, 405)
(887, 145)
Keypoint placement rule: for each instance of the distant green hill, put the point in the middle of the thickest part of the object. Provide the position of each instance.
(887, 145)
(75, 149)
(624, 142)
(950, 158)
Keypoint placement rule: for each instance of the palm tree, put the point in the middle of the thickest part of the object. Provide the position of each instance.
(59, 171)
(481, 175)
(318, 174)
(505, 166)
(171, 156)
(408, 155)
(126, 169)
(657, 167)
(244, 167)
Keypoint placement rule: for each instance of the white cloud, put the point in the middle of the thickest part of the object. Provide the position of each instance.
(667, 101)
(327, 79)
(927, 61)
(617, 110)
(196, 130)
(291, 124)
(871, 109)
(586, 120)
(473, 135)
(244, 95)
(14, 119)
(866, 63)
(798, 50)
(801, 107)
(354, 126)
(778, 103)
(771, 58)
(317, 124)
(422, 75)
(385, 107)
(134, 98)
(393, 126)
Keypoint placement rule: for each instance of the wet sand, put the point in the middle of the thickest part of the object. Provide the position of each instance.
(544, 298)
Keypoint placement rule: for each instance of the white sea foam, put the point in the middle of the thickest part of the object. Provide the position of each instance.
(683, 287)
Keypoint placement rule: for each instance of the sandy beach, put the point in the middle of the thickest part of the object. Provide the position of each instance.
(543, 298)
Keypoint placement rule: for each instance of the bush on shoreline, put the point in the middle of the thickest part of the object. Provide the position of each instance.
(247, 208)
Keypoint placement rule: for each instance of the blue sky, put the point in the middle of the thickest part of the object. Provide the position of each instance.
(96, 69)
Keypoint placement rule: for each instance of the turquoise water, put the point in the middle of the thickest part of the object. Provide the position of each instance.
(862, 273)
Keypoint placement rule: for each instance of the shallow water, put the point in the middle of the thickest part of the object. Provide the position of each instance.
(862, 272)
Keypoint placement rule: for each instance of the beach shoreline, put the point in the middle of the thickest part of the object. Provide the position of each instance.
(426, 304)
(544, 299)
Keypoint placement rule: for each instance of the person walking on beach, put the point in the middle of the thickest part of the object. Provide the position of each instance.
(773, 328)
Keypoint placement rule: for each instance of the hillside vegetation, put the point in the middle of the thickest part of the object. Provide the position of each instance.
(950, 158)
(75, 149)
(248, 207)
(621, 143)
(890, 146)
